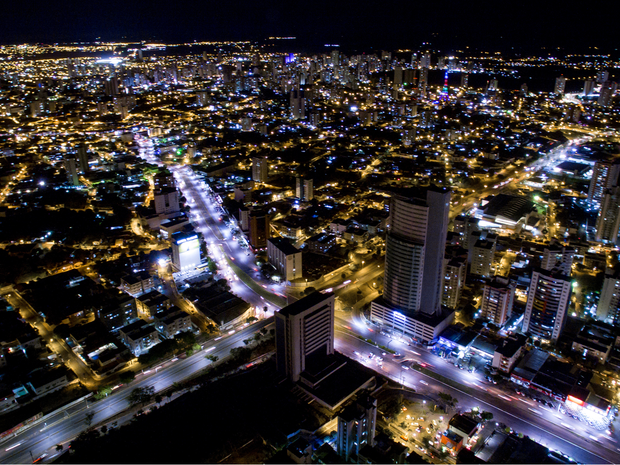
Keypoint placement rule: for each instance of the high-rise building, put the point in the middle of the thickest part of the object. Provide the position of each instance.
(413, 284)
(423, 81)
(398, 75)
(602, 76)
(604, 176)
(556, 256)
(482, 254)
(547, 304)
(560, 85)
(497, 300)
(298, 104)
(608, 88)
(259, 229)
(72, 175)
(608, 220)
(111, 86)
(285, 258)
(608, 308)
(166, 201)
(588, 87)
(415, 250)
(425, 60)
(356, 426)
(185, 251)
(82, 157)
(303, 329)
(465, 80)
(304, 189)
(455, 270)
(163, 179)
(260, 169)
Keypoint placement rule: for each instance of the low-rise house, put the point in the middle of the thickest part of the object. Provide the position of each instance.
(136, 284)
(150, 303)
(172, 321)
(461, 428)
(321, 243)
(42, 382)
(139, 337)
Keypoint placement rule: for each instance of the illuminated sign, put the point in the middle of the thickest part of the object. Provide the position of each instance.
(187, 239)
(575, 400)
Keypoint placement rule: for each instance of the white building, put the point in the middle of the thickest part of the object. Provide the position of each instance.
(608, 308)
(285, 258)
(497, 300)
(558, 257)
(166, 201)
(185, 251)
(454, 278)
(547, 304)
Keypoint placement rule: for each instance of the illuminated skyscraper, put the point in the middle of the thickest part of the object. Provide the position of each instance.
(72, 175)
(608, 220)
(415, 248)
(413, 283)
(82, 158)
(608, 88)
(560, 85)
(547, 304)
(608, 308)
(425, 60)
(605, 175)
(588, 87)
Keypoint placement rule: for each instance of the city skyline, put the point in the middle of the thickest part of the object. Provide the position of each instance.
(266, 245)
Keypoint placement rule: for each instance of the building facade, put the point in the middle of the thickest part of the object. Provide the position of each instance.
(260, 169)
(303, 328)
(259, 229)
(285, 258)
(185, 251)
(497, 300)
(547, 304)
(356, 427)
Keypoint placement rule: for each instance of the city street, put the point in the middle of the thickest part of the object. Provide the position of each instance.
(73, 361)
(542, 424)
(62, 426)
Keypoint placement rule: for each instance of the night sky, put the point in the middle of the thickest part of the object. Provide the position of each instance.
(447, 25)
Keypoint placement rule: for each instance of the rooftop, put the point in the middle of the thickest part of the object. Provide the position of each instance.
(305, 303)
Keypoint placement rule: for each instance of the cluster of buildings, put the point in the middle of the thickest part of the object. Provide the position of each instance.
(312, 157)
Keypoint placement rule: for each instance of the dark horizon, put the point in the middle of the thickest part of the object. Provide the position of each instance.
(447, 26)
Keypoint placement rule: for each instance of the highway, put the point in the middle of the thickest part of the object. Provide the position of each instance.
(64, 425)
(541, 423)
